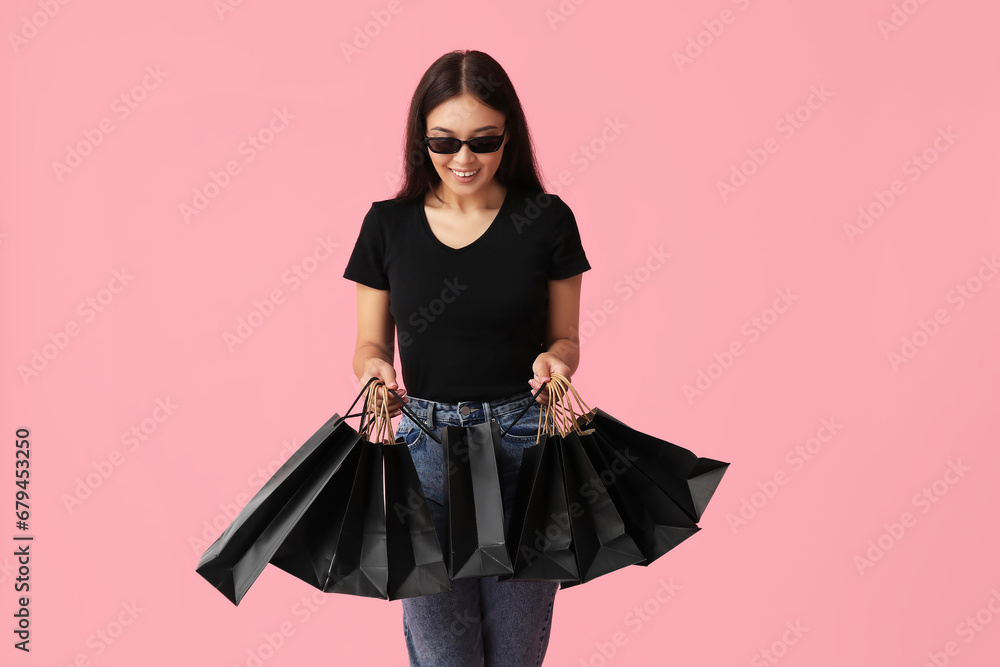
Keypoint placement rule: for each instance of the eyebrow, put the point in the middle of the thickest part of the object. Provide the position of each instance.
(478, 129)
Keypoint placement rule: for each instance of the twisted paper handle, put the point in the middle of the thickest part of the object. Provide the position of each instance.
(585, 414)
(379, 428)
(560, 416)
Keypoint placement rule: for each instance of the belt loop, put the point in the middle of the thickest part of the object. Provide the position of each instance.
(430, 415)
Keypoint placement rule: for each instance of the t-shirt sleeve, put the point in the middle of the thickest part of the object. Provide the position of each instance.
(367, 262)
(566, 256)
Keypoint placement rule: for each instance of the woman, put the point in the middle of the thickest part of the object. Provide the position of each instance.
(479, 272)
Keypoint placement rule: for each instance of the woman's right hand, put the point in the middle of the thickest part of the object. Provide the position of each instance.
(387, 374)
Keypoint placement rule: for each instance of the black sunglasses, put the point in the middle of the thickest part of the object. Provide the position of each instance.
(476, 144)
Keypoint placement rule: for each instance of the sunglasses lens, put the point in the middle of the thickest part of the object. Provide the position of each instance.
(444, 145)
(485, 144)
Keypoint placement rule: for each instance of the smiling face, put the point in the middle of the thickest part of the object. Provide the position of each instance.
(465, 117)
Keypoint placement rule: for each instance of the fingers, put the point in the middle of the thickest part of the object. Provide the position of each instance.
(393, 404)
(542, 395)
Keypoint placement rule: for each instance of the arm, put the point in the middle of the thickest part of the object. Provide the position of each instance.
(374, 350)
(562, 333)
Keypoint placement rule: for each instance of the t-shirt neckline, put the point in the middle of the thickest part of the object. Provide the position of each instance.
(430, 232)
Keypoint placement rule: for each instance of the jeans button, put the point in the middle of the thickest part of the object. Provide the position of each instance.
(465, 409)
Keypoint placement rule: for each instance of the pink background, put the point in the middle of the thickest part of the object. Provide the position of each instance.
(742, 582)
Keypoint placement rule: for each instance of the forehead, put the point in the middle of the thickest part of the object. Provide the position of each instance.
(463, 112)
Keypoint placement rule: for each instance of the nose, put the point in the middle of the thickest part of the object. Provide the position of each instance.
(464, 155)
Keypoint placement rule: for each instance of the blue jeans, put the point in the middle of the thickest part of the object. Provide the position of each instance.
(482, 621)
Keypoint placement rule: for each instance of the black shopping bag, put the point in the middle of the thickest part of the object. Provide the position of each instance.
(688, 479)
(416, 561)
(565, 526)
(655, 519)
(307, 551)
(651, 517)
(540, 531)
(476, 545)
(369, 532)
(600, 541)
(237, 557)
(339, 544)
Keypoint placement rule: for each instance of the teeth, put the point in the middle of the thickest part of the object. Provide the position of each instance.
(465, 173)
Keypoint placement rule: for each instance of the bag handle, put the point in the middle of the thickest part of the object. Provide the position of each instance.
(562, 415)
(364, 410)
(381, 423)
(503, 432)
(405, 409)
(557, 422)
(565, 381)
(419, 422)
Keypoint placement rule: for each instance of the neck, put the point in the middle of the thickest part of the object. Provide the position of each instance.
(489, 197)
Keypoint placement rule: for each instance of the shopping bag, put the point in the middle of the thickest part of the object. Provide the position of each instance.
(361, 564)
(237, 557)
(688, 479)
(564, 525)
(476, 545)
(651, 517)
(369, 532)
(308, 550)
(416, 561)
(339, 544)
(600, 541)
(540, 530)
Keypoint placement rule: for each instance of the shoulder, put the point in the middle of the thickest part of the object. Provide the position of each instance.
(385, 212)
(546, 202)
(537, 205)
(392, 206)
(545, 214)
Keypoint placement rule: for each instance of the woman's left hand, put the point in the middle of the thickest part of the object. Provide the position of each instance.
(545, 364)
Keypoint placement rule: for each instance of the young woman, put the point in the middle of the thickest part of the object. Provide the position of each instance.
(478, 271)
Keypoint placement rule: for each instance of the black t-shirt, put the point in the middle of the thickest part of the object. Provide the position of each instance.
(469, 321)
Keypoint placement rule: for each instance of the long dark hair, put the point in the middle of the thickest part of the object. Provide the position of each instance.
(481, 76)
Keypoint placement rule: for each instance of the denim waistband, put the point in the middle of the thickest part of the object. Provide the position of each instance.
(434, 413)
